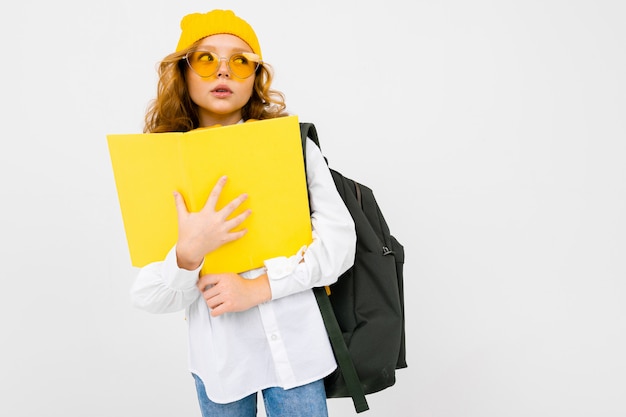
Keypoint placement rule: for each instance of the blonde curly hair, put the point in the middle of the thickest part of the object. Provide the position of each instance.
(173, 110)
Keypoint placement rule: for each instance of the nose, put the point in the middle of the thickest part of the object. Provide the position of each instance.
(222, 69)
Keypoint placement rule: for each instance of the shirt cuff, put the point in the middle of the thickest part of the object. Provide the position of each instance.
(282, 266)
(176, 277)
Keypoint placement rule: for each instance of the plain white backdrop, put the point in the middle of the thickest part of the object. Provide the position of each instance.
(492, 132)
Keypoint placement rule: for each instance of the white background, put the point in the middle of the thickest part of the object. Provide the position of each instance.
(492, 133)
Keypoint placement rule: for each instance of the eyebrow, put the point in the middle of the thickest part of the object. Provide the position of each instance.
(213, 47)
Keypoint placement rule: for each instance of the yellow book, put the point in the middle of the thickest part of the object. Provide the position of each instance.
(260, 158)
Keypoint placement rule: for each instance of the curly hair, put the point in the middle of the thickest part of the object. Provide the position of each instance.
(173, 110)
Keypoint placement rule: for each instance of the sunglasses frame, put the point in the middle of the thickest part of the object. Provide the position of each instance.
(250, 56)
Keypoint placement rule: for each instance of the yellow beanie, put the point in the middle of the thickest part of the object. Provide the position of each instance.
(196, 26)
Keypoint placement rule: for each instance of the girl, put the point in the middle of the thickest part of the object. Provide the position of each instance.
(259, 330)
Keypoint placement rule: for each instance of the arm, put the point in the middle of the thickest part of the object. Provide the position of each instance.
(329, 255)
(334, 238)
(170, 285)
(164, 287)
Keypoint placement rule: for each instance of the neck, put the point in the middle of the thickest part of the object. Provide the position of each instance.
(218, 119)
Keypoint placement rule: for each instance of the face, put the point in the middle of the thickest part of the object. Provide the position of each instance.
(221, 96)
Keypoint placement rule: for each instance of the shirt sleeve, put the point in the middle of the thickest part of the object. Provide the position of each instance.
(163, 287)
(333, 248)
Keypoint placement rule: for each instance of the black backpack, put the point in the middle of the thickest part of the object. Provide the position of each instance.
(364, 312)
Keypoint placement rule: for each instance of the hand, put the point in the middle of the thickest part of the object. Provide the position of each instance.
(203, 232)
(229, 292)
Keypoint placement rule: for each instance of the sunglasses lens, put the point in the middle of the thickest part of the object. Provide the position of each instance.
(242, 66)
(206, 63)
(203, 63)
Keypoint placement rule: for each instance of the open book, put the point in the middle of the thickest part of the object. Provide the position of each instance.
(261, 158)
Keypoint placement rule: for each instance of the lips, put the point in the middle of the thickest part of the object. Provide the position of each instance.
(221, 91)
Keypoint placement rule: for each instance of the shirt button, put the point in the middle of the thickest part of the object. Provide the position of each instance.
(274, 337)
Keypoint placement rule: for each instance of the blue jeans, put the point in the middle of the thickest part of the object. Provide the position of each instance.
(305, 401)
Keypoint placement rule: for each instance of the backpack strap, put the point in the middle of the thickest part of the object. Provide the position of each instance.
(344, 361)
(307, 130)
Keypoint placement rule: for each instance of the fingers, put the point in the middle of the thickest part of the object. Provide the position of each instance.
(215, 304)
(218, 310)
(205, 281)
(181, 206)
(200, 233)
(207, 284)
(229, 208)
(214, 195)
(237, 220)
(229, 292)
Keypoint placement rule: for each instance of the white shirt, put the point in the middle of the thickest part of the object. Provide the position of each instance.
(281, 343)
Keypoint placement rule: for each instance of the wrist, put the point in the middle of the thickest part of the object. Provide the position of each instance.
(264, 289)
(187, 262)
